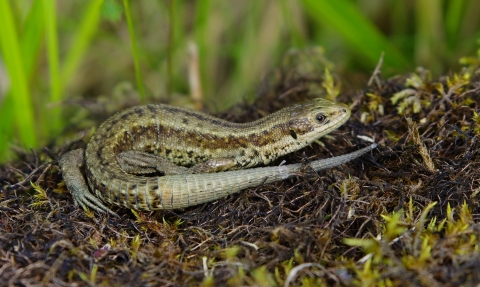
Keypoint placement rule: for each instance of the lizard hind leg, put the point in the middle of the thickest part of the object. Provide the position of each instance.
(140, 162)
(71, 164)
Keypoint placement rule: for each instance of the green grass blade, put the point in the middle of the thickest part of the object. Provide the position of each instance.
(429, 38)
(201, 24)
(86, 30)
(7, 115)
(50, 21)
(31, 36)
(136, 57)
(30, 40)
(19, 91)
(453, 18)
(111, 10)
(257, 45)
(169, 62)
(352, 25)
(297, 39)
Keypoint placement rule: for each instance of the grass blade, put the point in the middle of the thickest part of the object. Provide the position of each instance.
(20, 98)
(356, 29)
(86, 30)
(429, 38)
(50, 21)
(133, 41)
(30, 40)
(31, 37)
(453, 18)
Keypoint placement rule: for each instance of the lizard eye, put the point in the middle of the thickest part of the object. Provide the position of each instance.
(320, 118)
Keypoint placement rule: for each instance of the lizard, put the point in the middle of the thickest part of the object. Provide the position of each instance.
(159, 156)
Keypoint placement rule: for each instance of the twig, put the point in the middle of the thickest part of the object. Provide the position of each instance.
(376, 72)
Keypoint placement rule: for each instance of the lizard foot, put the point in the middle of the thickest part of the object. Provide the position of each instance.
(71, 164)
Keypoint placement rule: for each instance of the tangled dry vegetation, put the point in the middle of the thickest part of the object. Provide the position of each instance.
(404, 215)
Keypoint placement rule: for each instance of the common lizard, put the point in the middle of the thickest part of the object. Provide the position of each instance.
(202, 158)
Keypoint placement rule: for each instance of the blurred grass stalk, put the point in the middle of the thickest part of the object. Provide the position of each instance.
(21, 115)
(357, 29)
(17, 108)
(135, 52)
(50, 20)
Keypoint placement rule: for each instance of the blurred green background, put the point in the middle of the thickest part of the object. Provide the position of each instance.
(53, 52)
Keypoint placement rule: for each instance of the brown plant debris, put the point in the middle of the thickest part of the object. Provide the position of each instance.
(422, 149)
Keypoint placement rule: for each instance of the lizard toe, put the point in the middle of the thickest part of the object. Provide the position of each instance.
(87, 200)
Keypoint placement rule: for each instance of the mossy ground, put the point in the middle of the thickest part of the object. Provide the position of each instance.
(404, 215)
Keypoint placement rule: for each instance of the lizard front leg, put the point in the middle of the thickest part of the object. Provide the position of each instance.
(72, 166)
(139, 162)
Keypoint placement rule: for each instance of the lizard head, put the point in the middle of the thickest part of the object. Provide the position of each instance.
(316, 118)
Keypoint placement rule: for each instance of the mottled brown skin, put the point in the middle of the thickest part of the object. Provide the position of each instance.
(188, 146)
